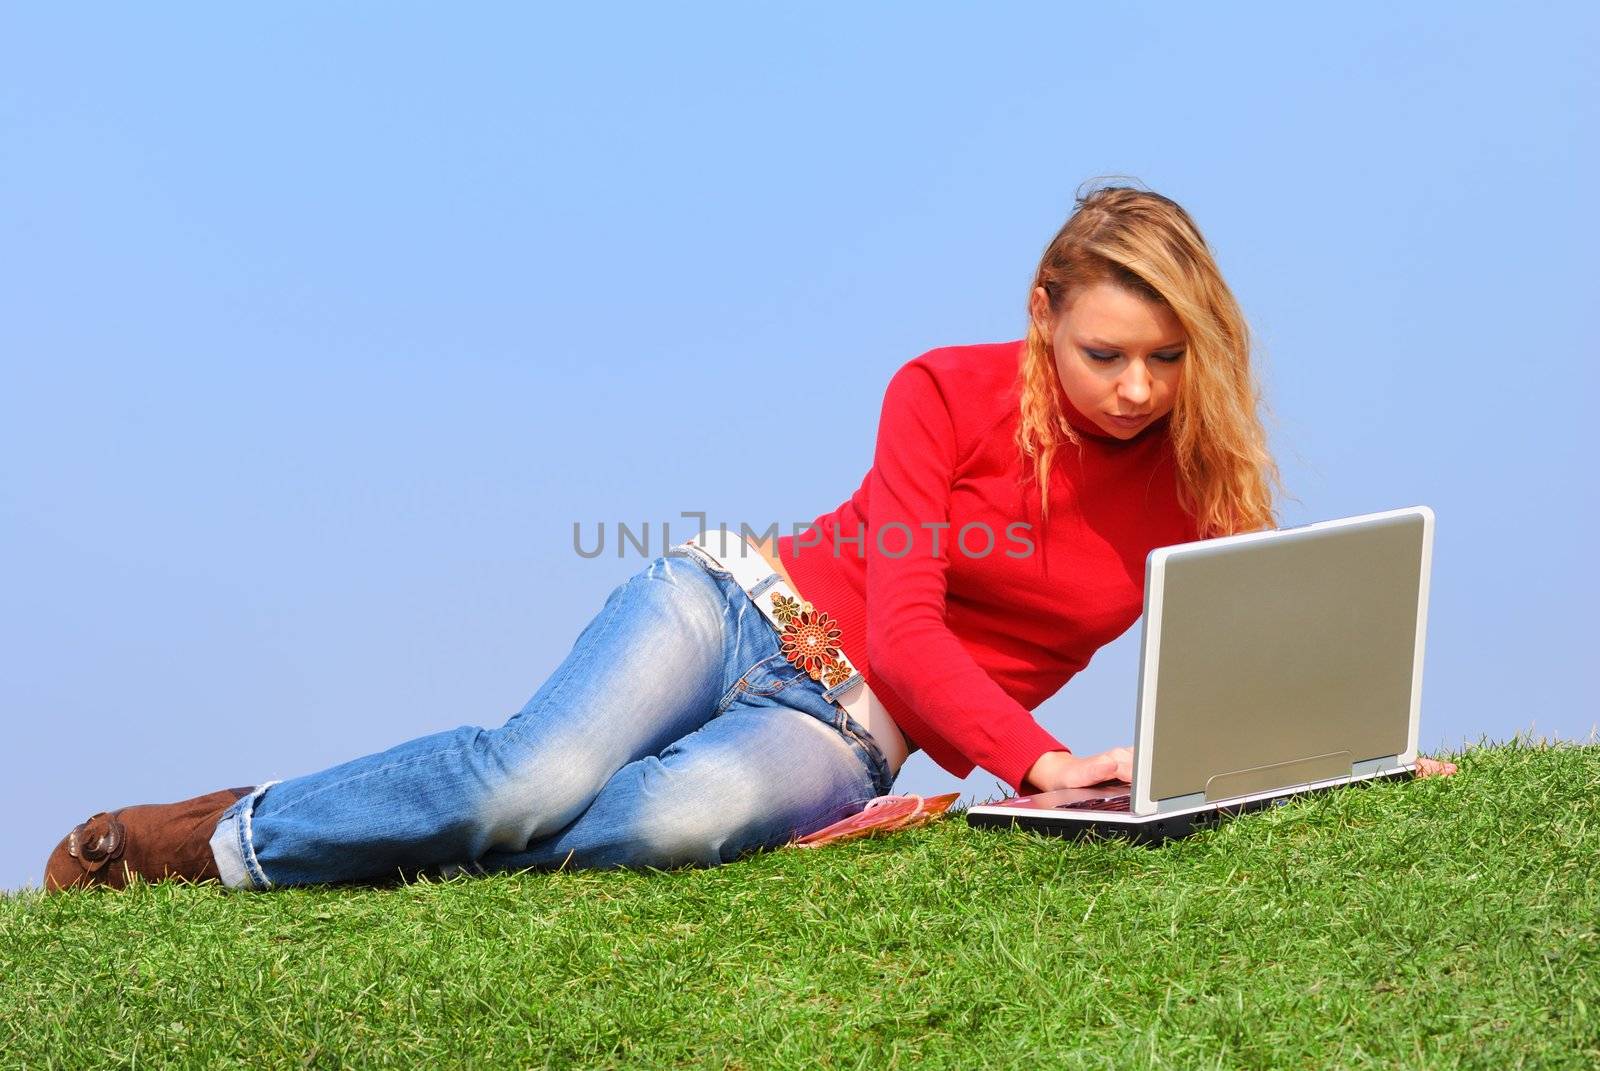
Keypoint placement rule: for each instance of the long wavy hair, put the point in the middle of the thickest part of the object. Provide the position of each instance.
(1147, 243)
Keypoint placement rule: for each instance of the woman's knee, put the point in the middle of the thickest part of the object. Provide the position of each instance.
(534, 792)
(685, 841)
(682, 816)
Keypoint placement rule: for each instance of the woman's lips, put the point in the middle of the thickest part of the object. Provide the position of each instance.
(1128, 421)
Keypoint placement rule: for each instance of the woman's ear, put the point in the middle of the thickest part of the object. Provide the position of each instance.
(1039, 310)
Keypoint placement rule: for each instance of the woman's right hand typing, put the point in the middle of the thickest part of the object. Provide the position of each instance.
(1062, 769)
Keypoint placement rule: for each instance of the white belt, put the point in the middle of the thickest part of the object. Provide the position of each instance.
(808, 642)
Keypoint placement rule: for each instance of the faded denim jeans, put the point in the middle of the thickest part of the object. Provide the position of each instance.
(674, 733)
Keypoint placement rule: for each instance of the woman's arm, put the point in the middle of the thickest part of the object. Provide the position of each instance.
(909, 645)
(1058, 769)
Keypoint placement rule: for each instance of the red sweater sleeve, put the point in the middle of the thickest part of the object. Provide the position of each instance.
(909, 644)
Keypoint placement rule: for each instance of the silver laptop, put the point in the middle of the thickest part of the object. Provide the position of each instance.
(1273, 664)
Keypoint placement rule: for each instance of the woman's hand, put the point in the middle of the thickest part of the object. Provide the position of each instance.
(1061, 769)
(1427, 767)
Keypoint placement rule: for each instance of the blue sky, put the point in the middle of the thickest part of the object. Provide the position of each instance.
(321, 328)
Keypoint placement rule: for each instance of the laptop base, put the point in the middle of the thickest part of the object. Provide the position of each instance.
(1151, 829)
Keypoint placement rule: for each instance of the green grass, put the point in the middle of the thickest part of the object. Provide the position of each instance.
(1448, 922)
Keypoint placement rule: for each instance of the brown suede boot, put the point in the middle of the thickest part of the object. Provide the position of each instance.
(156, 840)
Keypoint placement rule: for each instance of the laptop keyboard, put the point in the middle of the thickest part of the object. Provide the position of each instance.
(1098, 803)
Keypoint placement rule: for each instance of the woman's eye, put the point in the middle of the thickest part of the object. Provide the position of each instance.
(1165, 358)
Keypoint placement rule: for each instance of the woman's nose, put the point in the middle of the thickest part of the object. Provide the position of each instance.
(1134, 386)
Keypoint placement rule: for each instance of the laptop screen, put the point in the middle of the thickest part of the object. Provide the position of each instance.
(1268, 656)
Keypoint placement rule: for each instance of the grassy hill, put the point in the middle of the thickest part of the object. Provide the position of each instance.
(1450, 922)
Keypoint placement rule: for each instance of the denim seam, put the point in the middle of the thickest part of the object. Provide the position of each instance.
(739, 689)
(877, 765)
(790, 683)
(365, 774)
(247, 849)
(864, 752)
(700, 558)
(832, 694)
(742, 685)
(798, 676)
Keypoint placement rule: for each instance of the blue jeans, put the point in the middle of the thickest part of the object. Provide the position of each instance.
(674, 733)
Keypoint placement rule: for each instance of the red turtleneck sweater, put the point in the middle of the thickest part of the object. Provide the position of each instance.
(960, 645)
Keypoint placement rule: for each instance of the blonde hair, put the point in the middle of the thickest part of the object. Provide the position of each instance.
(1147, 243)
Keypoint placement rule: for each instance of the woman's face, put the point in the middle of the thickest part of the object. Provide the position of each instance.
(1118, 354)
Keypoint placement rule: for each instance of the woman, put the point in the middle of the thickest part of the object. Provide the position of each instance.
(737, 693)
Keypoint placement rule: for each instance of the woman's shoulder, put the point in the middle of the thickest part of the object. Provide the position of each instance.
(964, 394)
(973, 360)
(974, 379)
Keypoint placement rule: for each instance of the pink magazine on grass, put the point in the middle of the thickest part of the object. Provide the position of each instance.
(881, 815)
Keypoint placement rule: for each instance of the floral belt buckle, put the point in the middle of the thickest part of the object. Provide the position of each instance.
(809, 639)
